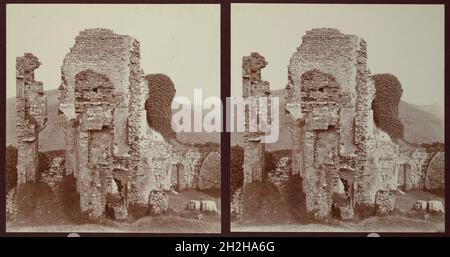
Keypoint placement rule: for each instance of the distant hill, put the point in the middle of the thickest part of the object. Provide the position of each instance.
(52, 137)
(423, 124)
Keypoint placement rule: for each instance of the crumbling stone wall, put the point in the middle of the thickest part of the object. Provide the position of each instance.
(435, 176)
(102, 99)
(384, 154)
(196, 168)
(253, 86)
(329, 96)
(162, 158)
(188, 168)
(413, 168)
(11, 205)
(209, 174)
(31, 106)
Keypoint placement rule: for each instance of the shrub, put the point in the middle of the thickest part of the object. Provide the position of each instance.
(158, 104)
(385, 105)
(11, 167)
(271, 159)
(44, 164)
(269, 164)
(236, 167)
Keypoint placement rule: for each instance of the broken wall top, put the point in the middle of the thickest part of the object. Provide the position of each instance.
(31, 102)
(25, 63)
(253, 63)
(103, 52)
(328, 51)
(252, 84)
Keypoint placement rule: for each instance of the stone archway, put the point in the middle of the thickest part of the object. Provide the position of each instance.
(403, 175)
(177, 180)
(343, 206)
(117, 195)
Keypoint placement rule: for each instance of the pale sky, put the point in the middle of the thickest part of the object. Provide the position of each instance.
(181, 41)
(405, 40)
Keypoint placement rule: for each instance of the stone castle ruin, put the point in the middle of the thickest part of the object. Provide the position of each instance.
(31, 117)
(253, 86)
(338, 150)
(118, 161)
(102, 99)
(329, 97)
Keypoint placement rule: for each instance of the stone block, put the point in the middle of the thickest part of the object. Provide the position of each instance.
(193, 205)
(435, 206)
(120, 212)
(346, 212)
(208, 206)
(420, 205)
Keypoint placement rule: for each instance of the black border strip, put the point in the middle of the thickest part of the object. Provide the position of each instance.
(225, 50)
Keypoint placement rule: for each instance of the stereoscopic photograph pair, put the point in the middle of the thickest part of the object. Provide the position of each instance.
(117, 122)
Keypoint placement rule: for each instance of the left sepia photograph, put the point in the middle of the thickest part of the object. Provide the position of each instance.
(113, 118)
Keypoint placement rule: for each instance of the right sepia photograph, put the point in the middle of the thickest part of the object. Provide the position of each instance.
(338, 118)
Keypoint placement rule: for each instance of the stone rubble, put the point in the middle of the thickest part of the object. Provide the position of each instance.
(55, 173)
(420, 205)
(384, 202)
(11, 205)
(236, 207)
(193, 205)
(280, 175)
(431, 206)
(158, 203)
(207, 206)
(435, 206)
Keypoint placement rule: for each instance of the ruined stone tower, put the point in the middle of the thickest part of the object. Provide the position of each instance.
(253, 87)
(31, 108)
(102, 97)
(329, 97)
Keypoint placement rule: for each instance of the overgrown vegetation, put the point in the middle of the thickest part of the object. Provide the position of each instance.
(236, 167)
(44, 164)
(11, 167)
(11, 164)
(271, 159)
(158, 104)
(385, 105)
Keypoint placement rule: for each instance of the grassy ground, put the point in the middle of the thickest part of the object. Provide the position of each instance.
(162, 224)
(47, 213)
(372, 224)
(288, 215)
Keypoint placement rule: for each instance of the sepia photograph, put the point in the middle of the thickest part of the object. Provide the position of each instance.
(344, 126)
(224, 119)
(99, 99)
